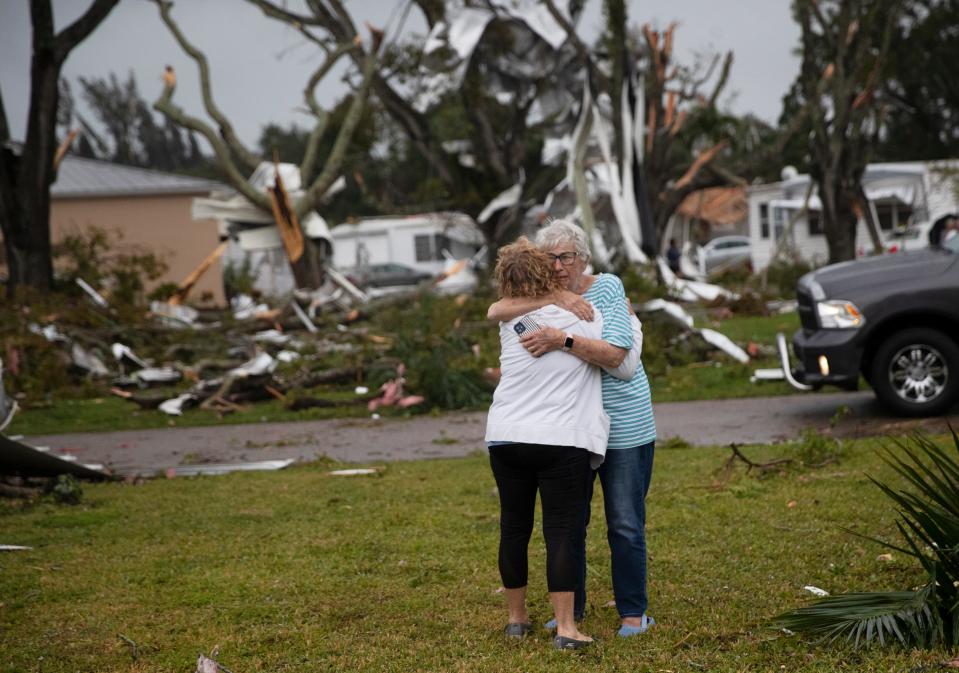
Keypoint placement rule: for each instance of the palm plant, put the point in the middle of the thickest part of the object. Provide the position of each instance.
(929, 524)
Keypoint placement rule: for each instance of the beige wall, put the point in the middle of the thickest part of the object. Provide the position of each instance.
(160, 224)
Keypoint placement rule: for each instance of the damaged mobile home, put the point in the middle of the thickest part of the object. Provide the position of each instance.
(904, 197)
(426, 242)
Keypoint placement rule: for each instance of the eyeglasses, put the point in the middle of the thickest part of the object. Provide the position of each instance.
(566, 258)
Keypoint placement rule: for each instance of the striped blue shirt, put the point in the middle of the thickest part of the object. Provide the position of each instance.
(628, 403)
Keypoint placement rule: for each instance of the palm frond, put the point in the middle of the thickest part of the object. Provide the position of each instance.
(929, 525)
(907, 617)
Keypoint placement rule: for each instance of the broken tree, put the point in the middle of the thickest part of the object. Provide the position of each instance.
(237, 162)
(845, 46)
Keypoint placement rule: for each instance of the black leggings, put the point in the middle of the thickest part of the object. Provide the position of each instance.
(562, 475)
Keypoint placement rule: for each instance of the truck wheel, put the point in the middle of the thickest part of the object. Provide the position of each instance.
(916, 372)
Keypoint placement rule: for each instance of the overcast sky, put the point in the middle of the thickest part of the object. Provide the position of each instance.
(259, 66)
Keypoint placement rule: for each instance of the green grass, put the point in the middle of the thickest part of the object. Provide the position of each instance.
(300, 571)
(722, 379)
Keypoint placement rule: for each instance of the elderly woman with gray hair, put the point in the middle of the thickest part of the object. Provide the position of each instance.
(625, 474)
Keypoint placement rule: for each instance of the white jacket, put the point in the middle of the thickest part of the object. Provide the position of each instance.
(555, 399)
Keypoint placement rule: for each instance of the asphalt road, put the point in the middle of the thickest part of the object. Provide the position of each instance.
(746, 421)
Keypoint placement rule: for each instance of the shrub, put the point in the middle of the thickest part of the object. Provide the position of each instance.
(102, 259)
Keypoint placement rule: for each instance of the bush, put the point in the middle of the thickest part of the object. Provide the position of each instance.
(435, 338)
(781, 277)
(101, 259)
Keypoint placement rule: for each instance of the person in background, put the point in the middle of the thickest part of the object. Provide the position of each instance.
(545, 430)
(672, 256)
(627, 469)
(941, 227)
(952, 228)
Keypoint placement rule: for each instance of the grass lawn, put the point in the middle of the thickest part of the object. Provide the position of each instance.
(300, 571)
(722, 379)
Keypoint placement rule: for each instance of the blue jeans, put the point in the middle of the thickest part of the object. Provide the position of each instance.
(625, 477)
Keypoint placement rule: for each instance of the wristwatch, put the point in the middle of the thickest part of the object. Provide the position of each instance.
(568, 343)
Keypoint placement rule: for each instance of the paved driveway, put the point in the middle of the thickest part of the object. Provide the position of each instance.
(751, 420)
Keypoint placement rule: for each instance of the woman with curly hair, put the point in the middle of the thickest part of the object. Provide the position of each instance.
(546, 430)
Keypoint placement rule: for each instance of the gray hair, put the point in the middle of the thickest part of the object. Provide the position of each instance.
(559, 232)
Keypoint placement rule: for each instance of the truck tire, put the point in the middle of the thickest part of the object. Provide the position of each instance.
(916, 372)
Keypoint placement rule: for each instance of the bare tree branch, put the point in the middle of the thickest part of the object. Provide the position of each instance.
(80, 29)
(315, 192)
(310, 156)
(274, 11)
(245, 156)
(723, 78)
(165, 105)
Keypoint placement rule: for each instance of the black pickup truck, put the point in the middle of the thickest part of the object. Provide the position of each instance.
(893, 318)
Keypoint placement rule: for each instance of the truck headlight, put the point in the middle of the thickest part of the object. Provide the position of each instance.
(838, 314)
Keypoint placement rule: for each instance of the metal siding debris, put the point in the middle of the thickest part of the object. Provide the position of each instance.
(225, 468)
(25, 460)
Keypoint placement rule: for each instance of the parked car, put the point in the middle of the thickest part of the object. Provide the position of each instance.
(725, 252)
(388, 274)
(894, 319)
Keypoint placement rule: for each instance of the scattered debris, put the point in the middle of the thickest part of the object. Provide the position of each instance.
(761, 468)
(125, 355)
(87, 361)
(175, 406)
(209, 664)
(305, 319)
(14, 547)
(226, 468)
(671, 309)
(174, 315)
(8, 406)
(782, 306)
(725, 344)
(393, 393)
(184, 288)
(17, 458)
(93, 294)
(245, 307)
(816, 591)
(133, 646)
(690, 290)
(156, 375)
(767, 375)
(680, 317)
(353, 472)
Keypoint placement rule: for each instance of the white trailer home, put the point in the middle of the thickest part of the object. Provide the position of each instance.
(417, 241)
(907, 197)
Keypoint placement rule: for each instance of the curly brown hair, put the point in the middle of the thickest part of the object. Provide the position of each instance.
(523, 270)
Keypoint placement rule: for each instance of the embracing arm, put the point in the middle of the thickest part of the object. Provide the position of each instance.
(512, 307)
(594, 351)
(627, 368)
